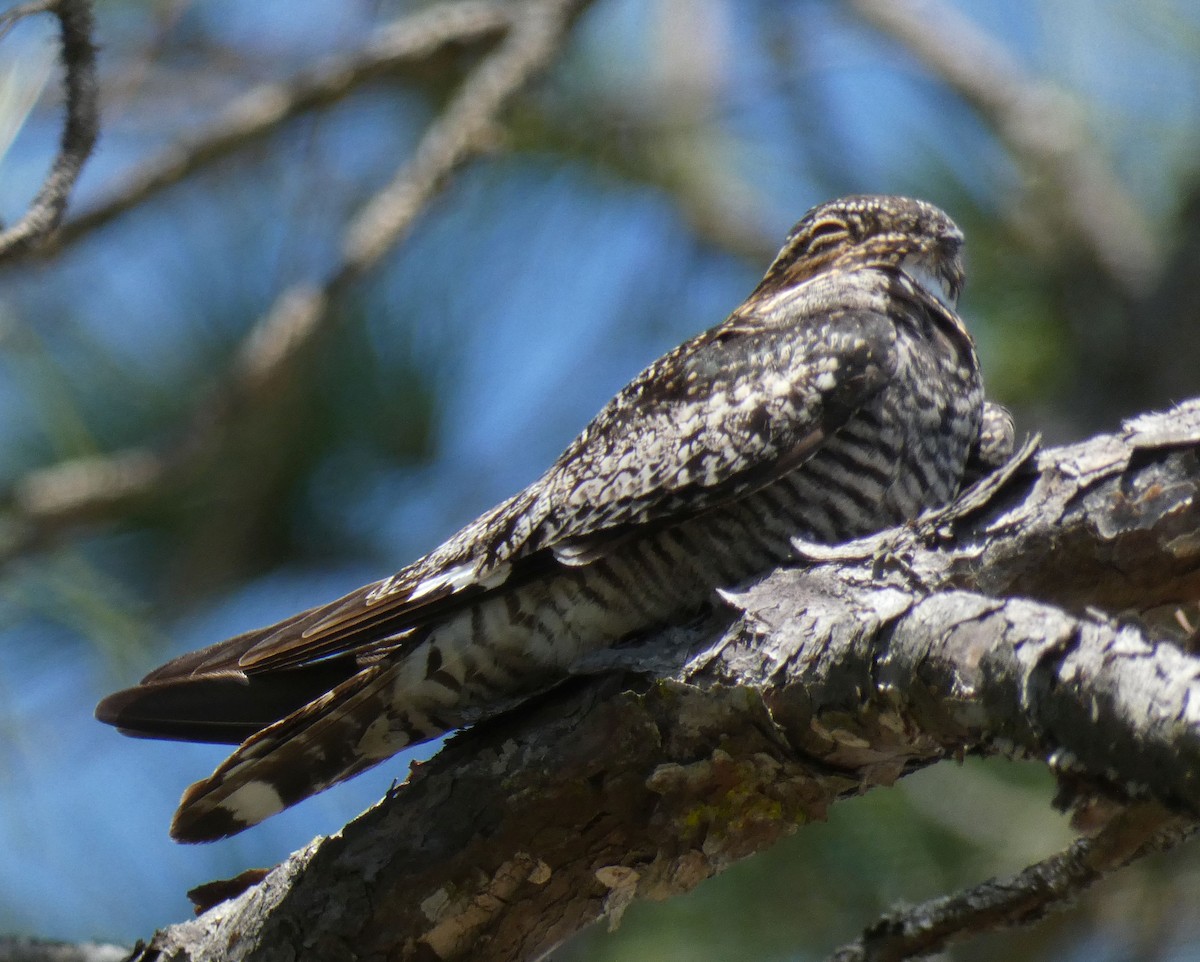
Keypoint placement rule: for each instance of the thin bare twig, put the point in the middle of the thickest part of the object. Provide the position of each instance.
(47, 502)
(263, 109)
(1043, 126)
(1020, 899)
(80, 127)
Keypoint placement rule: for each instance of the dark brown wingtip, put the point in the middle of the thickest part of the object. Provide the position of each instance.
(113, 706)
(224, 707)
(216, 710)
(123, 710)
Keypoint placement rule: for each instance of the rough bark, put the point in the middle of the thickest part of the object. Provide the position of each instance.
(990, 627)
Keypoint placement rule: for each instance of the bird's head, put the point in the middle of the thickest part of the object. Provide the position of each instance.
(873, 230)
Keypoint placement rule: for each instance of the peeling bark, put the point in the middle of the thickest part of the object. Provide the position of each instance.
(988, 627)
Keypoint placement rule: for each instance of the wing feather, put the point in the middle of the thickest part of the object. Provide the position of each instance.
(725, 413)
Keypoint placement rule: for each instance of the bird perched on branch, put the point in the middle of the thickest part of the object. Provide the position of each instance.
(844, 396)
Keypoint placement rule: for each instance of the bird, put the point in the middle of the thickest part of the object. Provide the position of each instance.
(842, 397)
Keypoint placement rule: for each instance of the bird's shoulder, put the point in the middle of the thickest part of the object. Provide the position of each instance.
(707, 420)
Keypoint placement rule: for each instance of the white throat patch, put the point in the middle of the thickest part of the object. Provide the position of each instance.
(932, 284)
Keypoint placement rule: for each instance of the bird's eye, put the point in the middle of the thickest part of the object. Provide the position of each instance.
(825, 233)
(951, 241)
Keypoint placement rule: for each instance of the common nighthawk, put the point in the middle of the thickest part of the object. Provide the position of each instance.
(842, 397)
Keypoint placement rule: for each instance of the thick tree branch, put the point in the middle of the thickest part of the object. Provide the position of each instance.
(80, 125)
(664, 763)
(1113, 523)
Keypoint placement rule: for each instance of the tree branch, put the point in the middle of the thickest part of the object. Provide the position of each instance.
(1108, 523)
(662, 764)
(44, 950)
(80, 126)
(1022, 898)
(50, 501)
(1043, 126)
(408, 44)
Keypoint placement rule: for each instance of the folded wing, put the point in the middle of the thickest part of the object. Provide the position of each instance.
(725, 414)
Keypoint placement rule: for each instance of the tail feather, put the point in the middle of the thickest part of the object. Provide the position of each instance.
(326, 741)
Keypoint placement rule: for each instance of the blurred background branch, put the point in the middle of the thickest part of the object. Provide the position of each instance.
(1024, 898)
(407, 49)
(47, 502)
(40, 950)
(1074, 197)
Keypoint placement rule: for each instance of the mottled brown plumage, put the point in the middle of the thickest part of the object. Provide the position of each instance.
(842, 397)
